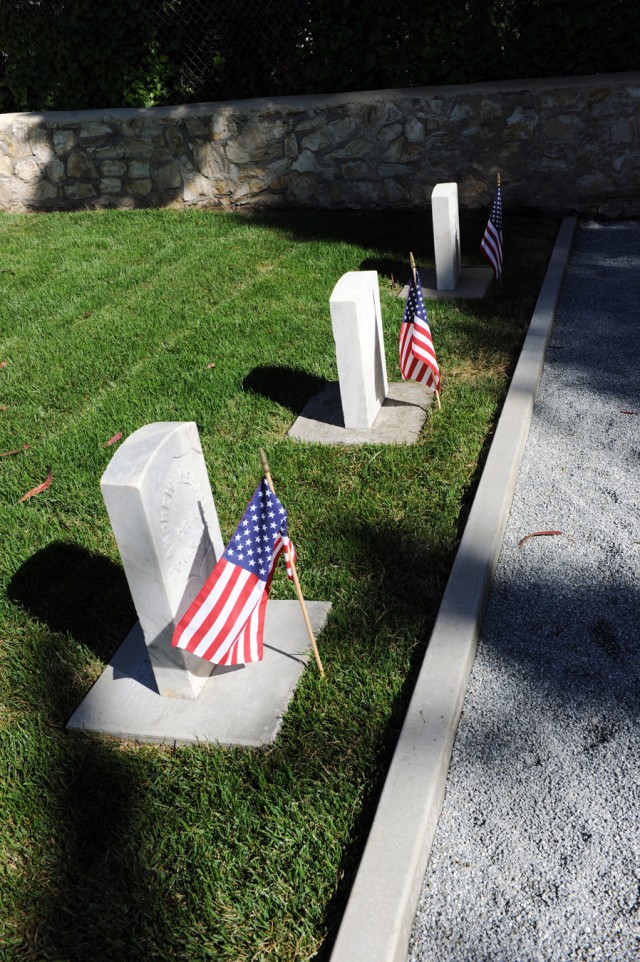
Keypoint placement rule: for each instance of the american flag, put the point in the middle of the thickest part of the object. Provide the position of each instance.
(417, 355)
(225, 622)
(491, 243)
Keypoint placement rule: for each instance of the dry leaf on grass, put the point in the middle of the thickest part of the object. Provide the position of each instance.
(39, 488)
(5, 454)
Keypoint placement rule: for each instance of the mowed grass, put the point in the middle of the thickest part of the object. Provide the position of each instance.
(109, 321)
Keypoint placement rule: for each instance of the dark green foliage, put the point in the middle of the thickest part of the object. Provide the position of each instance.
(76, 54)
(79, 54)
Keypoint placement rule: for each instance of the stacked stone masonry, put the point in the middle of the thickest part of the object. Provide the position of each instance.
(568, 144)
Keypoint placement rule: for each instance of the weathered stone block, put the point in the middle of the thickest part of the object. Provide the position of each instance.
(195, 187)
(81, 167)
(393, 152)
(312, 142)
(168, 177)
(196, 127)
(290, 146)
(42, 151)
(522, 120)
(113, 168)
(55, 171)
(562, 127)
(354, 149)
(174, 138)
(139, 188)
(210, 160)
(414, 131)
(621, 132)
(460, 112)
(389, 133)
(139, 170)
(111, 152)
(27, 170)
(94, 131)
(40, 192)
(110, 185)
(300, 188)
(305, 163)
(79, 191)
(225, 124)
(355, 169)
(237, 154)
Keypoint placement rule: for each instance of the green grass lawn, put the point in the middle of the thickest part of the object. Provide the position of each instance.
(111, 851)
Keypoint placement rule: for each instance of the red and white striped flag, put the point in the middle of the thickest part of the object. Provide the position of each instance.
(491, 243)
(225, 622)
(417, 355)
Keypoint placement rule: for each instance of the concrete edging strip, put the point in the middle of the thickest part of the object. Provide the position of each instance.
(377, 922)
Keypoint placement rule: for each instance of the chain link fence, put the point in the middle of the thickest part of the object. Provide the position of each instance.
(73, 54)
(229, 50)
(246, 48)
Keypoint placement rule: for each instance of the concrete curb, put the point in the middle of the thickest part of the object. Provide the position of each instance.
(377, 922)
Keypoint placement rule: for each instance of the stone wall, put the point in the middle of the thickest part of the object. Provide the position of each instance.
(560, 144)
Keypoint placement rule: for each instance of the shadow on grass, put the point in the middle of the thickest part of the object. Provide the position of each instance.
(401, 583)
(76, 592)
(288, 386)
(96, 895)
(395, 270)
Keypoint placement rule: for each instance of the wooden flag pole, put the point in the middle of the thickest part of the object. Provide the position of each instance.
(413, 268)
(415, 281)
(296, 582)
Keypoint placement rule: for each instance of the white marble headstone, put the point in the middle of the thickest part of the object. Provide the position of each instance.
(162, 513)
(357, 330)
(446, 235)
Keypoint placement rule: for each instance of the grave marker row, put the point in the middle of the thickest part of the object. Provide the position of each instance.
(164, 519)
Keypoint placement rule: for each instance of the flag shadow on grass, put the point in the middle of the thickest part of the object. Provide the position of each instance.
(291, 387)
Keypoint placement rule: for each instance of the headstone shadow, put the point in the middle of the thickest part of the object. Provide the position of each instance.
(395, 270)
(288, 386)
(76, 591)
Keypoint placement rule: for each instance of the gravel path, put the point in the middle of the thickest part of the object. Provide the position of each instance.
(537, 852)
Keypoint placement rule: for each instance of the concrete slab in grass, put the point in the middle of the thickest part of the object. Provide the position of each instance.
(377, 922)
(399, 420)
(237, 706)
(472, 284)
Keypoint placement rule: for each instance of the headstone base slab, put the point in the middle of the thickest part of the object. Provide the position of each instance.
(399, 420)
(472, 284)
(237, 706)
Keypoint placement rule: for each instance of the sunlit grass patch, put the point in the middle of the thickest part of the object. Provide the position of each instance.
(110, 321)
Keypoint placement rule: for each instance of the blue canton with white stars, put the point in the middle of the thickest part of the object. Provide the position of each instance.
(252, 544)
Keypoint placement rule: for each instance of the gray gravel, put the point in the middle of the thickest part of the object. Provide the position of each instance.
(537, 852)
